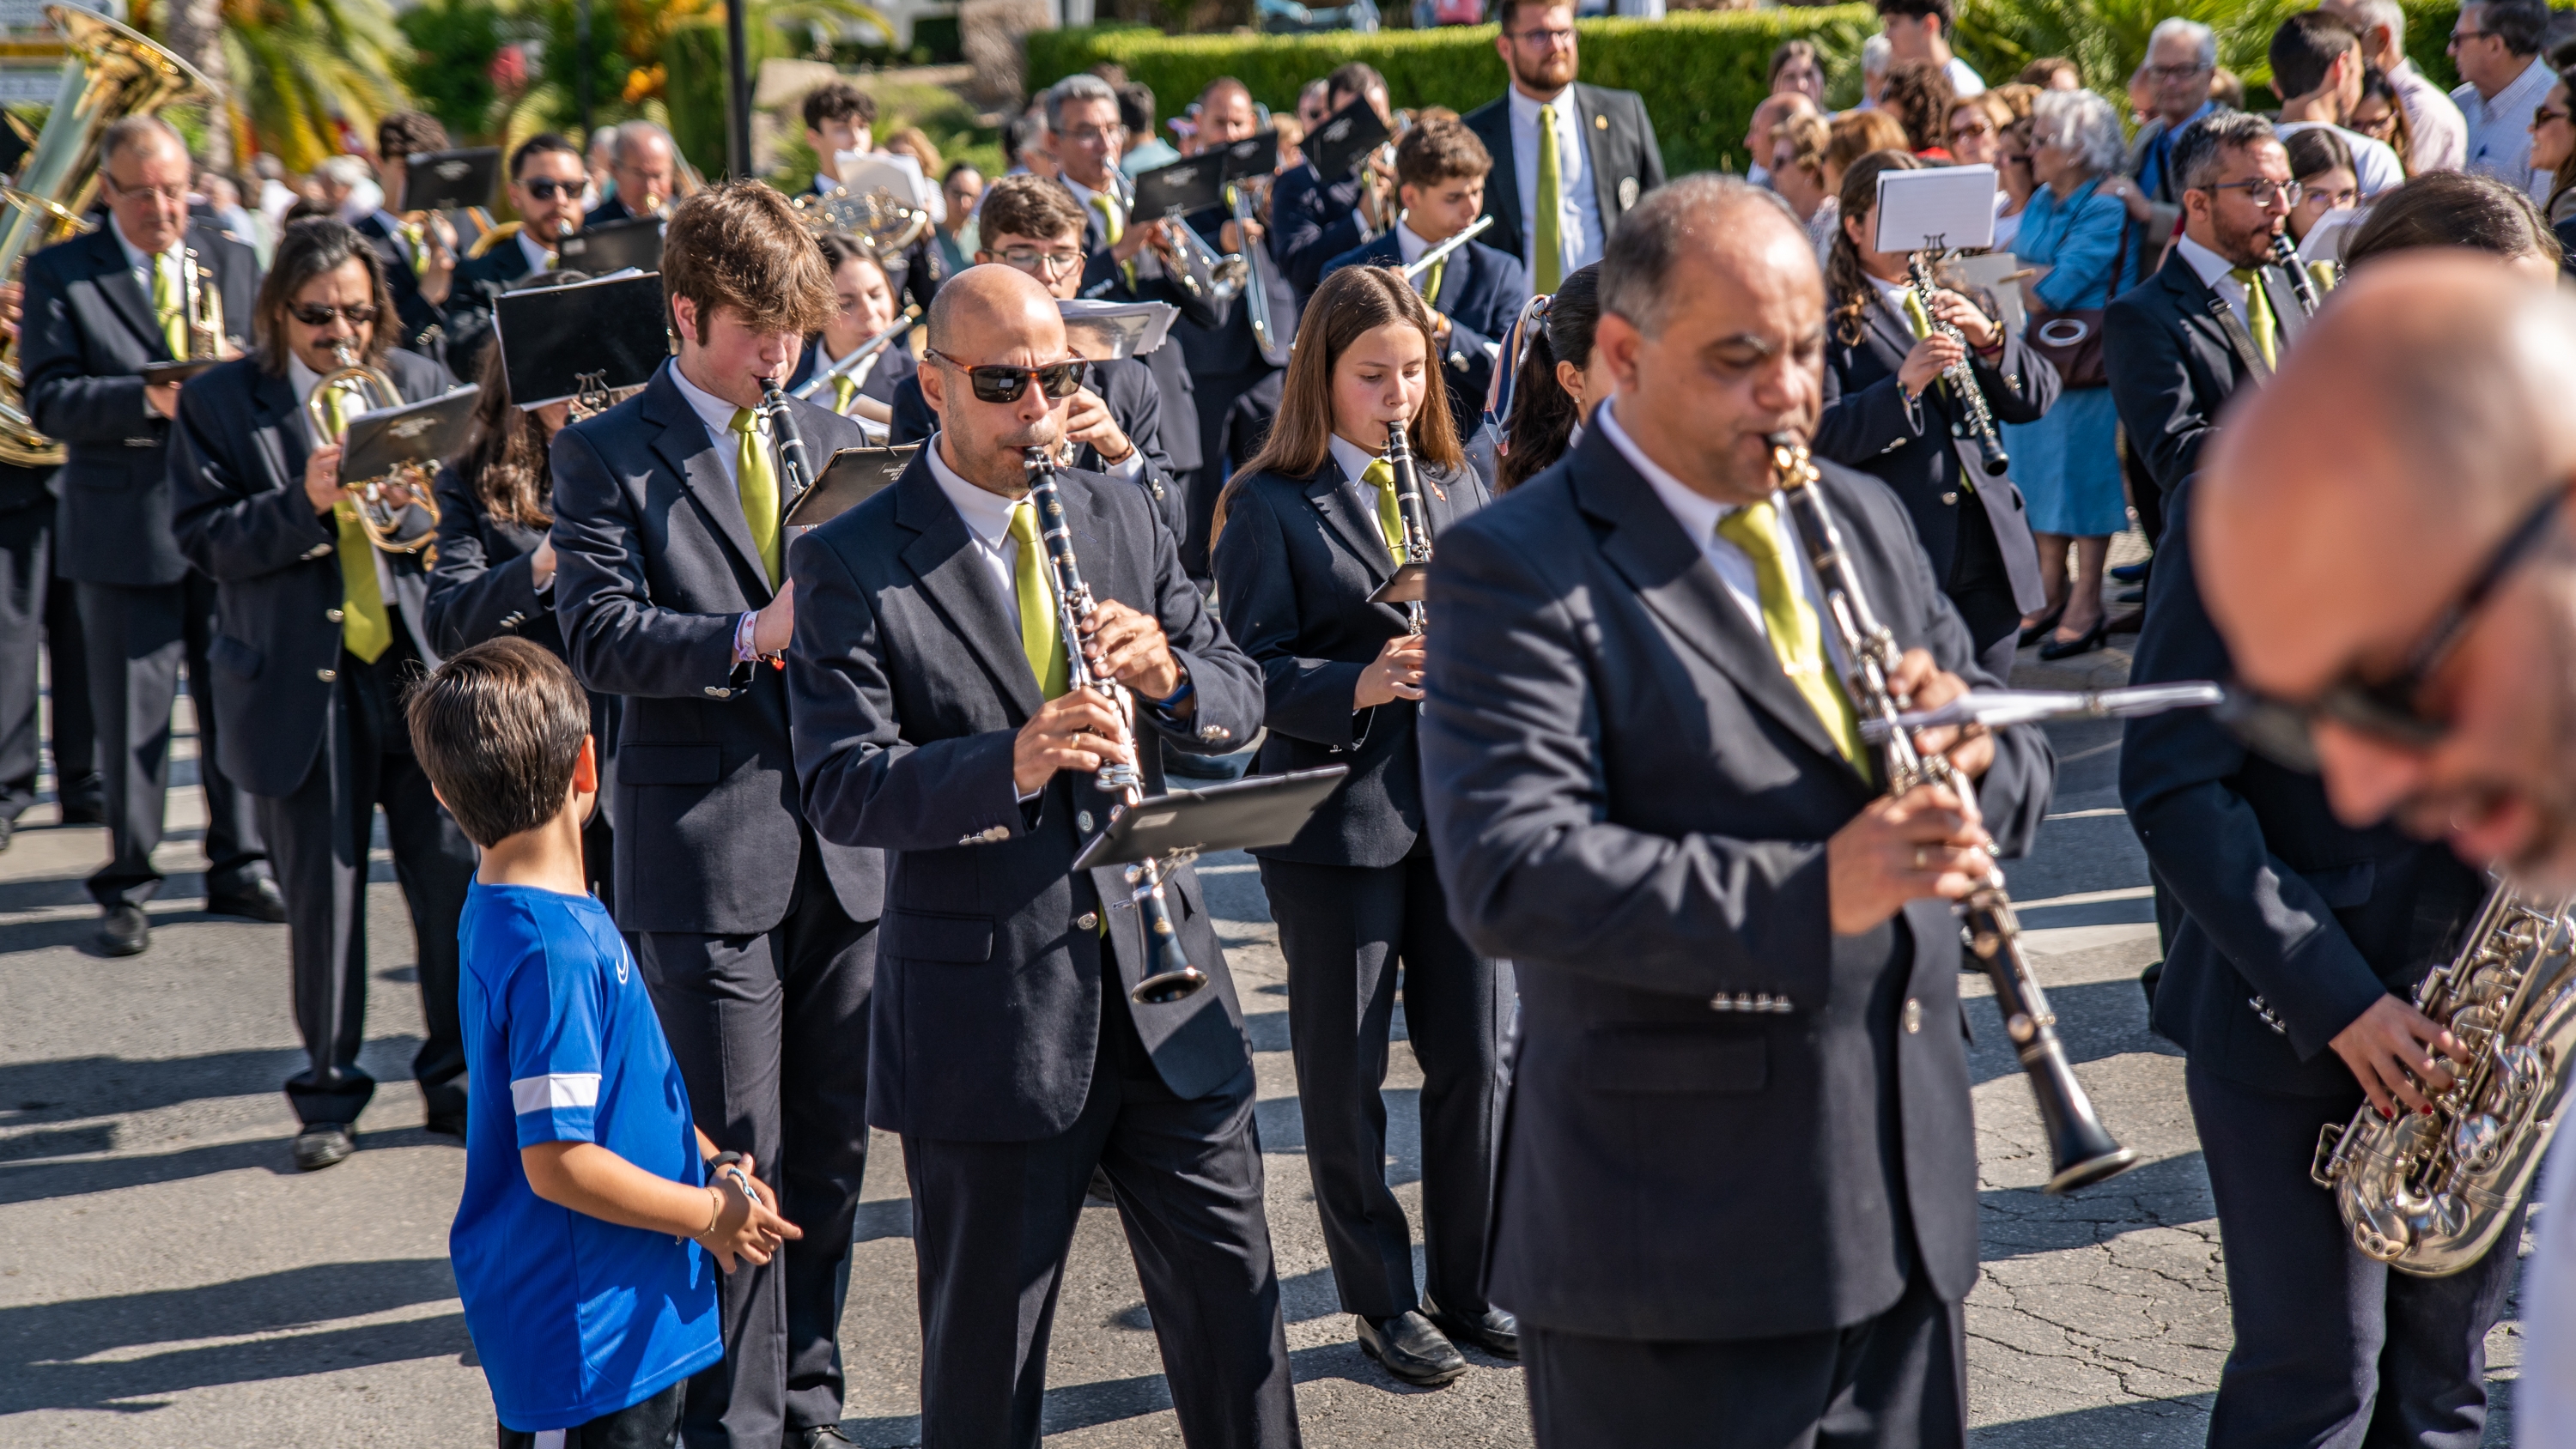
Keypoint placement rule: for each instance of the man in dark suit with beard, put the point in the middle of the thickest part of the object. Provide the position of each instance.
(1569, 159)
(546, 178)
(98, 309)
(319, 630)
(934, 721)
(757, 938)
(1736, 958)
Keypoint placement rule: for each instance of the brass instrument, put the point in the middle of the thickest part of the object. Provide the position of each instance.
(1408, 509)
(1202, 269)
(1256, 282)
(110, 73)
(203, 306)
(2286, 257)
(2429, 1194)
(2080, 1151)
(1171, 976)
(1414, 270)
(1961, 376)
(398, 511)
(885, 224)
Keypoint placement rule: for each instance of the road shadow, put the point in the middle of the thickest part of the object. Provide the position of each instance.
(98, 1086)
(2023, 1221)
(2181, 1423)
(2096, 1020)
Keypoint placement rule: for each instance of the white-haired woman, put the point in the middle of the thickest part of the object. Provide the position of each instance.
(2077, 239)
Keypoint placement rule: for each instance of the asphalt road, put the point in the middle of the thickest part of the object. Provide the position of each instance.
(166, 1275)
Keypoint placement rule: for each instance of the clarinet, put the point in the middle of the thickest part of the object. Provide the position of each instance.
(2286, 257)
(1172, 977)
(795, 474)
(2080, 1150)
(1961, 377)
(1408, 508)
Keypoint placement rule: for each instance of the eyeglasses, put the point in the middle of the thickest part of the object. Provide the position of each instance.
(2459, 35)
(2285, 730)
(2262, 192)
(2345, 196)
(2544, 116)
(172, 194)
(1544, 37)
(313, 316)
(1972, 130)
(545, 189)
(1093, 135)
(997, 383)
(1030, 259)
(2177, 72)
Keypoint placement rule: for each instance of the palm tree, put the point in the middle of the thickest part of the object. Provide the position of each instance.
(299, 64)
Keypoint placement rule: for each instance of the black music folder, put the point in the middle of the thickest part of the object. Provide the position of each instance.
(614, 246)
(1345, 139)
(154, 373)
(1245, 815)
(1406, 587)
(854, 476)
(427, 433)
(451, 180)
(1193, 183)
(1254, 155)
(560, 342)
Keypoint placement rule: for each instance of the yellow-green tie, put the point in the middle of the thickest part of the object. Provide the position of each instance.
(2323, 274)
(2258, 314)
(1431, 282)
(1041, 632)
(1114, 227)
(417, 237)
(1916, 318)
(1796, 635)
(1390, 519)
(366, 630)
(165, 306)
(1546, 250)
(756, 479)
(845, 390)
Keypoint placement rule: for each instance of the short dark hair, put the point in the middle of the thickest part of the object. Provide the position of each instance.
(409, 133)
(1505, 10)
(538, 145)
(840, 246)
(1354, 78)
(2520, 24)
(1438, 150)
(1027, 205)
(1945, 11)
(498, 729)
(2453, 209)
(2305, 47)
(309, 248)
(839, 101)
(2200, 152)
(740, 245)
(1136, 108)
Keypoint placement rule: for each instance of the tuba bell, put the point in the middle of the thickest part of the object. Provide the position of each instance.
(397, 511)
(111, 73)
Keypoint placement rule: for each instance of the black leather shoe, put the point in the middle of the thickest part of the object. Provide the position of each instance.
(2084, 643)
(83, 803)
(1408, 1347)
(2131, 596)
(324, 1144)
(1493, 1330)
(257, 899)
(447, 1124)
(123, 931)
(2040, 629)
(821, 1436)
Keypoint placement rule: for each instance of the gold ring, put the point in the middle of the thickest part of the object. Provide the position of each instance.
(1922, 855)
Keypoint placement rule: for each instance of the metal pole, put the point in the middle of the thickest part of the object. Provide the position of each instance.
(581, 73)
(737, 94)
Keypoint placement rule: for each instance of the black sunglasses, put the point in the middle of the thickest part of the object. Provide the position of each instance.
(547, 189)
(2283, 730)
(996, 383)
(313, 316)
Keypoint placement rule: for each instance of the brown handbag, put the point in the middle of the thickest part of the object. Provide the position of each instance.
(2072, 340)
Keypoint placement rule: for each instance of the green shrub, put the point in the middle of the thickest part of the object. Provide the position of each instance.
(453, 43)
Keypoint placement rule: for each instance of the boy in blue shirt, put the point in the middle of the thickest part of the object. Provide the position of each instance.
(578, 1243)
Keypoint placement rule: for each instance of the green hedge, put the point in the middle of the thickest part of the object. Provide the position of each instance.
(1701, 72)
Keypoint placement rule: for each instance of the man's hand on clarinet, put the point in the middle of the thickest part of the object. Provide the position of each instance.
(1925, 685)
(1129, 647)
(1926, 842)
(1076, 730)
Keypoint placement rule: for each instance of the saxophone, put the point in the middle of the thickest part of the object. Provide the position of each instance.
(2428, 1194)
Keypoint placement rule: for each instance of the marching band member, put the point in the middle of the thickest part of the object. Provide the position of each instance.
(646, 169)
(864, 306)
(757, 939)
(98, 309)
(1474, 292)
(1643, 782)
(1561, 381)
(419, 258)
(841, 117)
(320, 628)
(1888, 413)
(1570, 159)
(546, 178)
(1305, 533)
(1007, 1049)
(1315, 218)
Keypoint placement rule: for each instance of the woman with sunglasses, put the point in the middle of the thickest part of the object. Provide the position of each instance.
(2553, 149)
(1304, 534)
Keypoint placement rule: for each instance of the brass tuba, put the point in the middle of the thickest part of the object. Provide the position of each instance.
(112, 73)
(398, 511)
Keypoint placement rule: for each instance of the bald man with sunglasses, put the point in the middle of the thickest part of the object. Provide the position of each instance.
(932, 721)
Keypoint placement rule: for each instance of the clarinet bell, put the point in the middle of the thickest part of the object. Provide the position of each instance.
(1990, 454)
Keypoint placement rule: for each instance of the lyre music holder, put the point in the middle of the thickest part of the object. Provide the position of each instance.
(1176, 828)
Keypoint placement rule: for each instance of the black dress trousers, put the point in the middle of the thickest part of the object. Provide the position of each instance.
(137, 638)
(2332, 1347)
(993, 1221)
(1343, 930)
(319, 838)
(40, 615)
(771, 1035)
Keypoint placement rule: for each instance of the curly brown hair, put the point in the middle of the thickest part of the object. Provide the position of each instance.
(1846, 284)
(1919, 95)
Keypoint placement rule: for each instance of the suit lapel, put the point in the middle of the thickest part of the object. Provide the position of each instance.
(2292, 319)
(1503, 183)
(1341, 500)
(116, 282)
(684, 444)
(277, 423)
(1596, 141)
(955, 582)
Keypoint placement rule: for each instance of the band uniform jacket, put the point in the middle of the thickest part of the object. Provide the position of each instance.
(1481, 292)
(910, 688)
(483, 585)
(88, 328)
(424, 327)
(894, 365)
(1312, 221)
(1127, 388)
(2174, 363)
(1295, 565)
(244, 520)
(1622, 159)
(2293, 923)
(654, 563)
(1916, 450)
(1104, 280)
(1629, 798)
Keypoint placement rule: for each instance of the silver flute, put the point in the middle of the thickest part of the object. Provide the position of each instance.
(1961, 376)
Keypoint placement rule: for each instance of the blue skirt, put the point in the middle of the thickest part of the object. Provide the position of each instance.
(2068, 465)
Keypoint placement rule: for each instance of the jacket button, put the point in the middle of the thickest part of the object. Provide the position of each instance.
(334, 615)
(1913, 1015)
(1950, 498)
(1087, 921)
(1082, 820)
(326, 675)
(717, 691)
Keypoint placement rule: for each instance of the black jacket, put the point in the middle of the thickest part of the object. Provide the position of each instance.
(1295, 565)
(88, 327)
(654, 564)
(243, 520)
(424, 325)
(1312, 221)
(2283, 905)
(1481, 292)
(894, 367)
(1127, 388)
(2174, 361)
(1630, 800)
(1623, 160)
(909, 688)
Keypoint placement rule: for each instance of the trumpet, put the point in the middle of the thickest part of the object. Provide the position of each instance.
(1205, 271)
(397, 511)
(203, 306)
(1408, 509)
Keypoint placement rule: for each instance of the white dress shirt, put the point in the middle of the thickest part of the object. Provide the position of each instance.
(304, 379)
(539, 259)
(2216, 273)
(1083, 195)
(2500, 129)
(2375, 167)
(1964, 80)
(1578, 203)
(2439, 132)
(1355, 461)
(987, 516)
(717, 414)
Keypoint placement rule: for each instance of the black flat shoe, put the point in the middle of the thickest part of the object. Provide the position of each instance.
(324, 1144)
(1493, 1330)
(2084, 643)
(2131, 596)
(84, 803)
(124, 931)
(256, 900)
(1408, 1347)
(2047, 625)
(821, 1436)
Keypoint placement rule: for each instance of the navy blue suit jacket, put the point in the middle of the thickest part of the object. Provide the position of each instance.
(894, 366)
(909, 688)
(1312, 222)
(1481, 292)
(2280, 900)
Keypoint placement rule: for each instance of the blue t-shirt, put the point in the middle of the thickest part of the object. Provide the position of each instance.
(573, 1317)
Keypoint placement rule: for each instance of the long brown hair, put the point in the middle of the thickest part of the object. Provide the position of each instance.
(504, 465)
(314, 247)
(1543, 413)
(1846, 283)
(1351, 303)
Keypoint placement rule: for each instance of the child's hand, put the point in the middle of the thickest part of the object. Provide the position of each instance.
(747, 1225)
